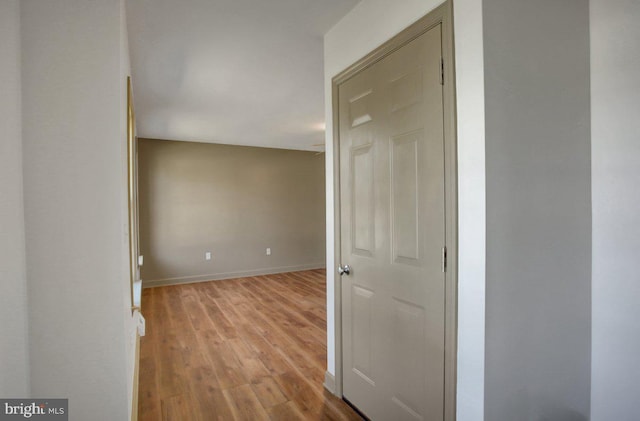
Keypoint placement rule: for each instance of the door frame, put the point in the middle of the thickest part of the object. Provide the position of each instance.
(440, 15)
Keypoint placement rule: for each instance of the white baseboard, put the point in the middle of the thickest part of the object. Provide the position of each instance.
(229, 275)
(330, 383)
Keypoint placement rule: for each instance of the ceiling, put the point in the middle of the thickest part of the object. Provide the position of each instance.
(244, 72)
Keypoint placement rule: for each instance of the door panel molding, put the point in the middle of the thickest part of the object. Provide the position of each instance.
(442, 15)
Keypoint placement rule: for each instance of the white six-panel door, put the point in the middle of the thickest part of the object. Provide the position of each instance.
(392, 233)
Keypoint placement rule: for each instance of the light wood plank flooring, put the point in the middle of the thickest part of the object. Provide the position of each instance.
(241, 349)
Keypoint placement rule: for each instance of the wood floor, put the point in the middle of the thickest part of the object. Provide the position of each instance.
(241, 349)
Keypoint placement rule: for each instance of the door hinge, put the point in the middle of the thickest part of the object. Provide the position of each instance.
(444, 259)
(441, 71)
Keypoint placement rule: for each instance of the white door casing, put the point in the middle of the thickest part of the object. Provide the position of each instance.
(395, 144)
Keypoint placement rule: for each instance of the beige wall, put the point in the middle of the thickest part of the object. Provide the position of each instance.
(234, 201)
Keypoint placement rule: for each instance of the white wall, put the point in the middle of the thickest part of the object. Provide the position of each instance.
(72, 137)
(369, 24)
(468, 23)
(13, 311)
(538, 286)
(615, 146)
(130, 326)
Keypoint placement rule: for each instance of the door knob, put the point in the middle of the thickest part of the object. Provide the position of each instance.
(344, 270)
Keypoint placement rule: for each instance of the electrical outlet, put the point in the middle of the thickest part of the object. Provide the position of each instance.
(207, 255)
(268, 251)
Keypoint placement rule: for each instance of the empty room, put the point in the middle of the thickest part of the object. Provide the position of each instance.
(237, 237)
(229, 209)
(319, 210)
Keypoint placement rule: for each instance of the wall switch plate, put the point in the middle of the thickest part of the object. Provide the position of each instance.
(269, 251)
(207, 255)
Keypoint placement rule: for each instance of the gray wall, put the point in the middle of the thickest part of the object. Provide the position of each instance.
(234, 201)
(13, 310)
(615, 141)
(73, 135)
(538, 293)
